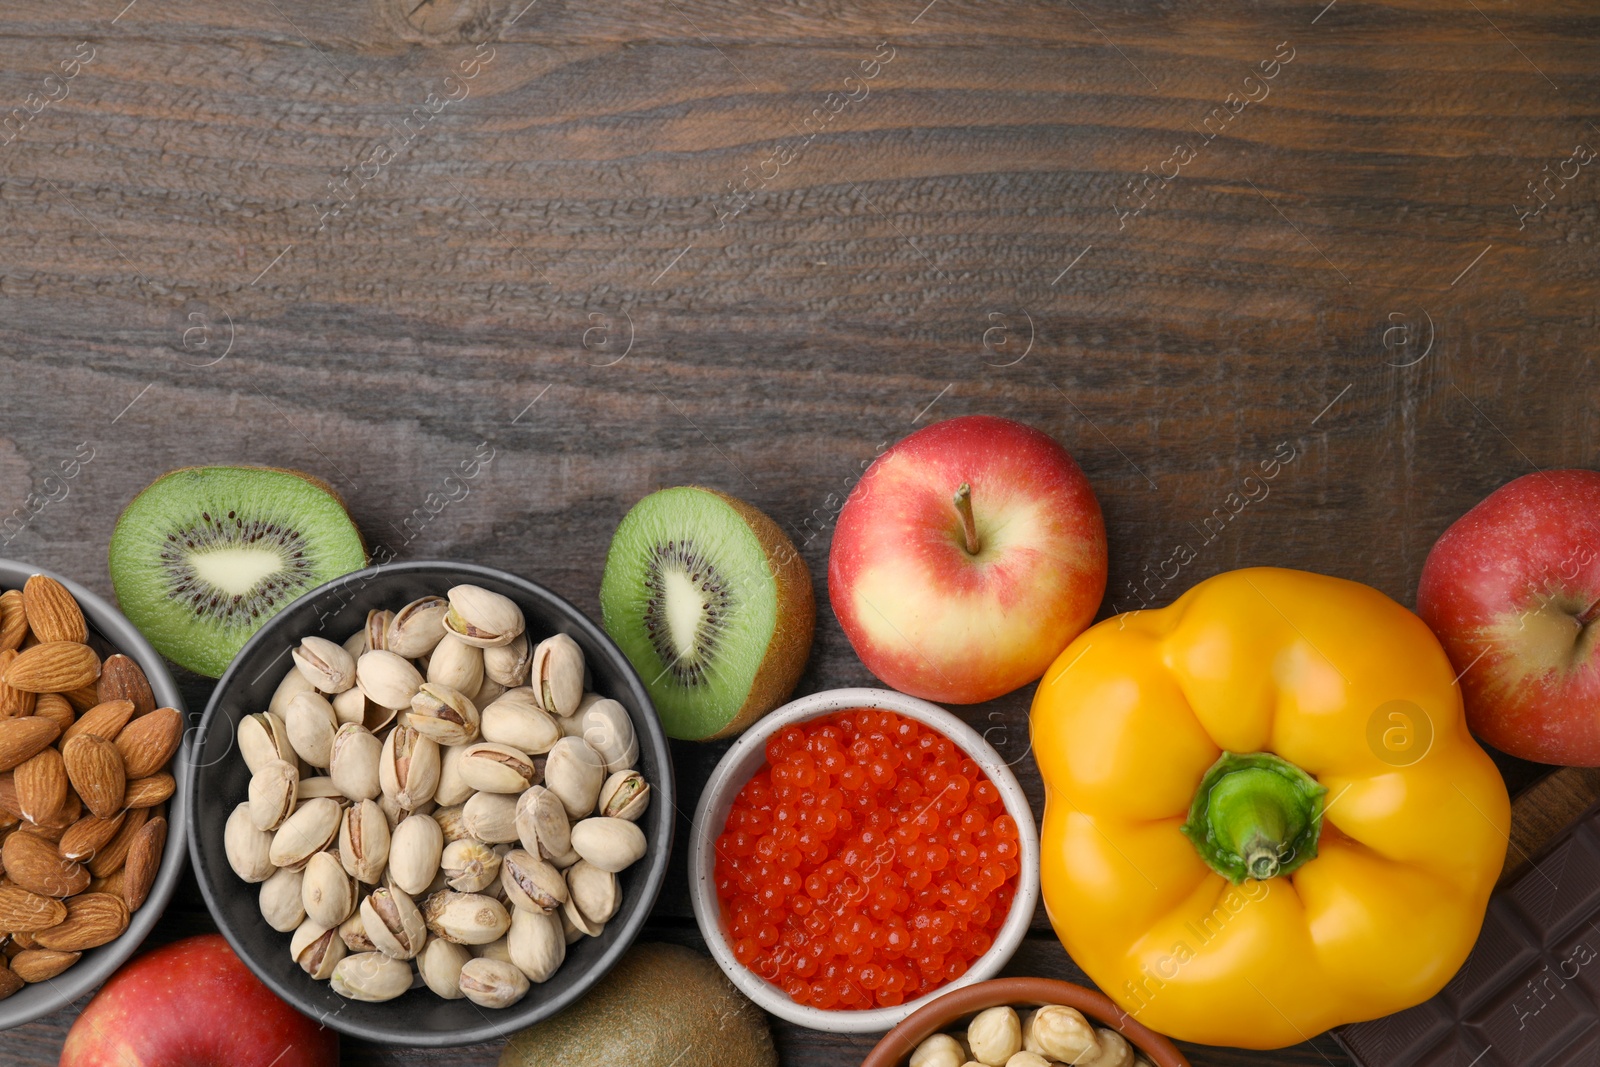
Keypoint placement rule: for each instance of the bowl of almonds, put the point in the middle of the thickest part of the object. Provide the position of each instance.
(92, 812)
(437, 804)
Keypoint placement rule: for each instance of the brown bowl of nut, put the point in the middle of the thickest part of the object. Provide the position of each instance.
(437, 804)
(92, 809)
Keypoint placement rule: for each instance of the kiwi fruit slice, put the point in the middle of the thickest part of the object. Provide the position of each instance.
(203, 556)
(712, 604)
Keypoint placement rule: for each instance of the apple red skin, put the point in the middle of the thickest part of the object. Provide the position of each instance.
(929, 619)
(1504, 589)
(194, 1004)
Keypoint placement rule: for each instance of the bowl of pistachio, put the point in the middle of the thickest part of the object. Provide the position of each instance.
(434, 804)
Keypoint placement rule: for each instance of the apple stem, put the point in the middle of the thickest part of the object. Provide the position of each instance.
(969, 526)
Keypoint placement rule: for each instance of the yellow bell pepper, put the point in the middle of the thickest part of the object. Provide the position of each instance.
(1264, 815)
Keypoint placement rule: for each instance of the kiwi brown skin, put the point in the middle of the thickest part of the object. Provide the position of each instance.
(790, 646)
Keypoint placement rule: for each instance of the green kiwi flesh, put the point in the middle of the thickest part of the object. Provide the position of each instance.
(203, 556)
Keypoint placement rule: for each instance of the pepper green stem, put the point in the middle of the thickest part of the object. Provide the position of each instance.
(1255, 816)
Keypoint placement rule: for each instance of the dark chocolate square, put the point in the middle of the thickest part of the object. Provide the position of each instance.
(1560, 889)
(1535, 1016)
(1505, 948)
(1398, 1039)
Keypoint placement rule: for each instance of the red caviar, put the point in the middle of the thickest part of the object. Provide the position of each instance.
(869, 862)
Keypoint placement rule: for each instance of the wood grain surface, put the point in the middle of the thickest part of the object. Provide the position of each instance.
(630, 244)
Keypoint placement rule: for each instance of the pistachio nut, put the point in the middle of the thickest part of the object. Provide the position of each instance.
(387, 679)
(508, 664)
(417, 627)
(596, 893)
(530, 883)
(326, 891)
(353, 762)
(377, 631)
(557, 674)
(537, 942)
(280, 901)
(580, 922)
(317, 949)
(488, 692)
(1058, 1032)
(371, 976)
(569, 933)
(317, 786)
(393, 811)
(293, 684)
(262, 739)
(393, 923)
(441, 713)
(311, 828)
(492, 983)
(440, 964)
(327, 666)
(609, 731)
(249, 849)
(610, 844)
(356, 644)
(625, 795)
(491, 817)
(451, 823)
(353, 932)
(452, 788)
(414, 853)
(311, 722)
(495, 768)
(542, 823)
(575, 772)
(516, 719)
(498, 949)
(364, 841)
(352, 705)
(995, 1034)
(481, 617)
(273, 790)
(409, 768)
(466, 918)
(469, 865)
(456, 664)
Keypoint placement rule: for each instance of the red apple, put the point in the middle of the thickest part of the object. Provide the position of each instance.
(969, 555)
(193, 1003)
(1512, 590)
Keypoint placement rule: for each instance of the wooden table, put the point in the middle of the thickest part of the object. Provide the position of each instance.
(630, 244)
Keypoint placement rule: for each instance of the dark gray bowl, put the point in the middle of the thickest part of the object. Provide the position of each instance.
(220, 781)
(110, 632)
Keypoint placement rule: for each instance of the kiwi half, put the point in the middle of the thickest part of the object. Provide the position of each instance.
(712, 604)
(203, 556)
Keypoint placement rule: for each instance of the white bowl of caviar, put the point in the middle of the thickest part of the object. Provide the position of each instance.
(858, 853)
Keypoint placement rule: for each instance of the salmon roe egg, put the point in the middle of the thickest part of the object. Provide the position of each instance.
(867, 863)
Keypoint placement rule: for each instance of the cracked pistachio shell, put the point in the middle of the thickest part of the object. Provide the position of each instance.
(387, 679)
(596, 893)
(280, 901)
(557, 674)
(355, 644)
(537, 943)
(311, 828)
(317, 949)
(491, 817)
(575, 772)
(326, 665)
(354, 760)
(319, 786)
(469, 865)
(273, 790)
(326, 891)
(625, 795)
(293, 684)
(487, 693)
(452, 788)
(569, 933)
(609, 844)
(496, 768)
(353, 932)
(249, 849)
(262, 739)
(456, 664)
(492, 983)
(609, 731)
(393, 923)
(408, 769)
(508, 664)
(579, 921)
(498, 949)
(352, 705)
(377, 631)
(371, 976)
(530, 883)
(414, 853)
(311, 722)
(516, 719)
(481, 617)
(440, 964)
(542, 824)
(364, 841)
(451, 822)
(441, 713)
(417, 627)
(466, 918)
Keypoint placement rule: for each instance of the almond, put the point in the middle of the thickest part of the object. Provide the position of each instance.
(88, 836)
(22, 942)
(92, 920)
(23, 738)
(94, 766)
(8, 794)
(122, 679)
(42, 964)
(13, 702)
(83, 698)
(103, 720)
(52, 612)
(149, 741)
(55, 707)
(53, 667)
(148, 792)
(9, 982)
(110, 883)
(110, 859)
(144, 860)
(53, 827)
(33, 863)
(41, 784)
(13, 620)
(22, 911)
